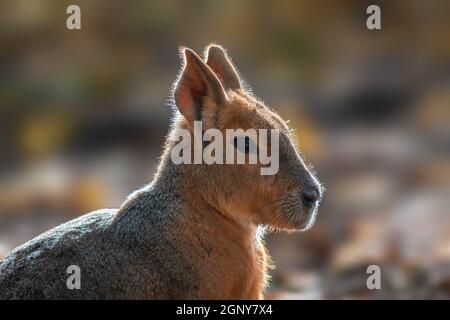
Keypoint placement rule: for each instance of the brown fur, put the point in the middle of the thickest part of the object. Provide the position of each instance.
(196, 231)
(230, 203)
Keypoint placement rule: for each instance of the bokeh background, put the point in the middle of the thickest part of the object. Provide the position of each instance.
(83, 116)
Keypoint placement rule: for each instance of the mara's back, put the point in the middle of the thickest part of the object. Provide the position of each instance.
(118, 258)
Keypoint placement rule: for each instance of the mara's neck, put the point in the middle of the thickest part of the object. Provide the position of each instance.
(182, 183)
(232, 246)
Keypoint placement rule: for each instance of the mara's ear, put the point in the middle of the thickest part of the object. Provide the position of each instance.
(219, 62)
(197, 83)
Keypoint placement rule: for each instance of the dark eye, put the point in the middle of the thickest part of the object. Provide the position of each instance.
(246, 144)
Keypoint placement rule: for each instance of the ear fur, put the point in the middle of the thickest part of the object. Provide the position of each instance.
(196, 83)
(219, 62)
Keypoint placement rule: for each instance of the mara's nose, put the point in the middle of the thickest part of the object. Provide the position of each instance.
(310, 197)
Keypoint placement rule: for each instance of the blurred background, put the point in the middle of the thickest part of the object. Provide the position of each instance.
(83, 116)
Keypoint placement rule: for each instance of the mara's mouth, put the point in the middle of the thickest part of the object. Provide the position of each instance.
(305, 220)
(290, 214)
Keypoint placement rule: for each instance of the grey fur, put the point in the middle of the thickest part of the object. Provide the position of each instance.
(122, 259)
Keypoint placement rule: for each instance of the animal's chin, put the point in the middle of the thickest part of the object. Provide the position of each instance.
(300, 222)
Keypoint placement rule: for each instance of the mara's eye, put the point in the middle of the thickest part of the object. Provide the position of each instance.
(246, 145)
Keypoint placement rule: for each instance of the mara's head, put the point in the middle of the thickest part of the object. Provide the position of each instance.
(239, 155)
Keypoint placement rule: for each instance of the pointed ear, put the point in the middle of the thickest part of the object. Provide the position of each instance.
(219, 62)
(196, 83)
